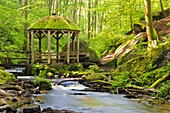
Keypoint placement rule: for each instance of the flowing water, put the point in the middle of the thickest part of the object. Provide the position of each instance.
(61, 97)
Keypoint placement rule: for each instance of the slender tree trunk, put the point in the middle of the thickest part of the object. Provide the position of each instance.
(89, 6)
(50, 7)
(25, 25)
(162, 9)
(80, 11)
(75, 12)
(131, 22)
(95, 18)
(149, 24)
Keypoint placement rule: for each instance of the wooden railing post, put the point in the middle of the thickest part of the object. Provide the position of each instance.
(7, 60)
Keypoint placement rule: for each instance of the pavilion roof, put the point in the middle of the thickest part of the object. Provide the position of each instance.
(54, 23)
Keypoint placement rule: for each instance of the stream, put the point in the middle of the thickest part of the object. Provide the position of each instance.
(69, 96)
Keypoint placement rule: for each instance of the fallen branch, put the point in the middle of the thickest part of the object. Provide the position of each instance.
(160, 80)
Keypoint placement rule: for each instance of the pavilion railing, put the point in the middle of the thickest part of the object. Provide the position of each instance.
(57, 56)
(14, 58)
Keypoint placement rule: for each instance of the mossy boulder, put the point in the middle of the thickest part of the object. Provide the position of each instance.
(6, 77)
(144, 62)
(54, 23)
(91, 56)
(44, 84)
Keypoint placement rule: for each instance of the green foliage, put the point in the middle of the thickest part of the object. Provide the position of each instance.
(168, 24)
(94, 68)
(43, 71)
(95, 76)
(44, 84)
(165, 90)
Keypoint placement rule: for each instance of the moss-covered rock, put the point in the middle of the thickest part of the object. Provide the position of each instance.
(112, 63)
(44, 84)
(92, 55)
(141, 63)
(6, 77)
(54, 22)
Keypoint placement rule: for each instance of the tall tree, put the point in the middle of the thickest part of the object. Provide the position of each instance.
(89, 17)
(149, 24)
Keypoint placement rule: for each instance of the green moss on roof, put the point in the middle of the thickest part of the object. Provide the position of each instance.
(53, 22)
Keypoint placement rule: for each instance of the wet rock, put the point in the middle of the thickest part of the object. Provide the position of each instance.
(2, 102)
(78, 94)
(32, 110)
(7, 98)
(27, 94)
(37, 91)
(37, 100)
(10, 110)
(49, 110)
(130, 97)
(14, 99)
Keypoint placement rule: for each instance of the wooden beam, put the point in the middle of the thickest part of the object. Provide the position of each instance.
(68, 47)
(32, 44)
(49, 47)
(45, 33)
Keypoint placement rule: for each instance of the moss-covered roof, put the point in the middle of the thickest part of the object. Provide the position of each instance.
(53, 23)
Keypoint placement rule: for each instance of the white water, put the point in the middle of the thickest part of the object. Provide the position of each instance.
(93, 102)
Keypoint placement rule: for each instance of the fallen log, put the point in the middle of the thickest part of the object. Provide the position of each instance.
(160, 80)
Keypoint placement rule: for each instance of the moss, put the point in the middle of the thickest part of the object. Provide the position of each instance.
(101, 81)
(112, 63)
(160, 80)
(6, 77)
(54, 22)
(94, 57)
(168, 24)
(122, 59)
(95, 76)
(44, 84)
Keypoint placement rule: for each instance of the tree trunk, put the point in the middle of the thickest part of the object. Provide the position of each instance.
(162, 9)
(25, 26)
(75, 12)
(89, 5)
(149, 24)
(95, 18)
(80, 11)
(49, 7)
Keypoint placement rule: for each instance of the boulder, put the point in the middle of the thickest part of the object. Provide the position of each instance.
(32, 110)
(2, 102)
(92, 55)
(50, 110)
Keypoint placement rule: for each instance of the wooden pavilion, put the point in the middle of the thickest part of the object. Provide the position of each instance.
(54, 27)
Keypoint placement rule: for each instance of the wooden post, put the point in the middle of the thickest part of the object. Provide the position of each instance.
(57, 48)
(73, 43)
(49, 47)
(29, 49)
(77, 46)
(32, 44)
(7, 60)
(68, 47)
(39, 37)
